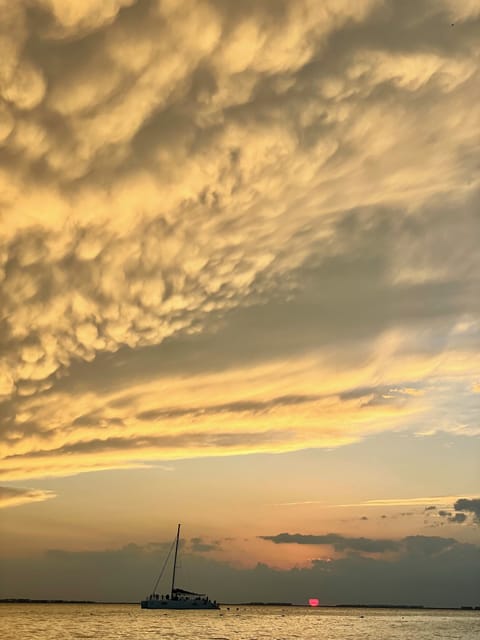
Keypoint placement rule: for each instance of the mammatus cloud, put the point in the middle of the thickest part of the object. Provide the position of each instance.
(13, 496)
(168, 168)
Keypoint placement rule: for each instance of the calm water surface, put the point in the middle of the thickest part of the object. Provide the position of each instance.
(114, 622)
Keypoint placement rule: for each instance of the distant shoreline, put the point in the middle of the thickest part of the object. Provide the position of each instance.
(413, 607)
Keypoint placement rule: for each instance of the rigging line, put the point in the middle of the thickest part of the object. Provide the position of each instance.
(163, 568)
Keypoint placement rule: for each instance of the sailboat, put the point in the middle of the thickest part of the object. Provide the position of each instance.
(177, 598)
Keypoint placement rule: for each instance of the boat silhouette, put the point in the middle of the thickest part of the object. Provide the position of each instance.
(177, 598)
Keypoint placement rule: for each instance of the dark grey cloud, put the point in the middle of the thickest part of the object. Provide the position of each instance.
(470, 505)
(464, 507)
(199, 545)
(394, 516)
(428, 545)
(458, 518)
(418, 544)
(451, 579)
(339, 542)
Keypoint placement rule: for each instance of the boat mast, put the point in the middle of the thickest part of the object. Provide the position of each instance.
(175, 561)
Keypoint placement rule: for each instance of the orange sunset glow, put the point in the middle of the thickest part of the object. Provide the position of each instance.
(239, 290)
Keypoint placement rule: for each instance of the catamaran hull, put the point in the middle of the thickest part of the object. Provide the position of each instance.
(178, 604)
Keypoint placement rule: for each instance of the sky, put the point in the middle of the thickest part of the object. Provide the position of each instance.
(239, 290)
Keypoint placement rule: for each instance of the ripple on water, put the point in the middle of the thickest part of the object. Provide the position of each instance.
(115, 622)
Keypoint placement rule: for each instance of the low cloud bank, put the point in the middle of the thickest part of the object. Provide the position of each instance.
(430, 571)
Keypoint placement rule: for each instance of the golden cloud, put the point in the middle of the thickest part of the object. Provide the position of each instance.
(164, 163)
(275, 407)
(13, 496)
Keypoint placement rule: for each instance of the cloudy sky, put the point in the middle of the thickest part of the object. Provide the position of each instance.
(239, 289)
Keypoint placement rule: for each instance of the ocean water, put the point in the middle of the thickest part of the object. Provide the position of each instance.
(114, 622)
